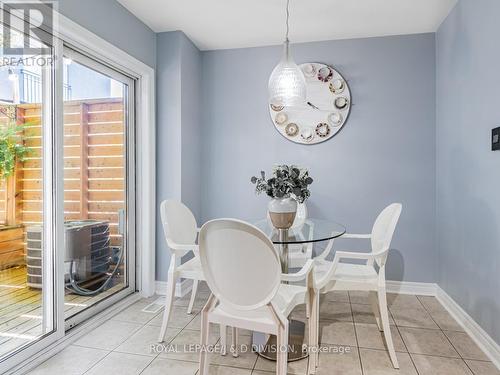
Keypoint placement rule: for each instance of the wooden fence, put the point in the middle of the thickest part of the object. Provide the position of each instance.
(94, 165)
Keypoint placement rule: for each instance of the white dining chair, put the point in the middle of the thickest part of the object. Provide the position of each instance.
(367, 276)
(181, 231)
(243, 271)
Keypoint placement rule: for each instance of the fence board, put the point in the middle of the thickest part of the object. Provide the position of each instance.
(108, 150)
(103, 196)
(106, 139)
(105, 116)
(104, 142)
(109, 161)
(107, 173)
(103, 160)
(107, 184)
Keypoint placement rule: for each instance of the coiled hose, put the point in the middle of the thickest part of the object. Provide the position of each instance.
(88, 292)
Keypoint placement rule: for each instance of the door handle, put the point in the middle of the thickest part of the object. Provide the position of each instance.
(121, 221)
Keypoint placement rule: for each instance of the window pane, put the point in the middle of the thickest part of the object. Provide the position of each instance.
(94, 185)
(26, 293)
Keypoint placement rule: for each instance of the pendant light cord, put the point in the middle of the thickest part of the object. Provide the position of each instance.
(287, 19)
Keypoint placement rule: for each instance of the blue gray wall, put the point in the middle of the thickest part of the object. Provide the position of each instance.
(384, 154)
(112, 22)
(178, 153)
(468, 180)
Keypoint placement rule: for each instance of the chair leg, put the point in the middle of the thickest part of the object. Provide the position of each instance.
(281, 354)
(204, 343)
(169, 301)
(234, 344)
(223, 337)
(308, 307)
(279, 338)
(193, 296)
(316, 328)
(384, 316)
(313, 332)
(284, 350)
(374, 302)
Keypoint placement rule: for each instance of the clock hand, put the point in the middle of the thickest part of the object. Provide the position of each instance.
(317, 108)
(312, 105)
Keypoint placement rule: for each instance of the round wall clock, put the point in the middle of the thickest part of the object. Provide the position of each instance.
(325, 113)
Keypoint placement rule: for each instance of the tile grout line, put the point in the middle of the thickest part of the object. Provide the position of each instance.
(158, 354)
(95, 364)
(169, 341)
(356, 335)
(447, 338)
(404, 343)
(113, 350)
(430, 313)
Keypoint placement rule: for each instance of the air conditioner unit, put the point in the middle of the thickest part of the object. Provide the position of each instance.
(86, 244)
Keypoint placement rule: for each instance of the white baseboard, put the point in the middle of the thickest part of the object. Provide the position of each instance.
(181, 289)
(479, 335)
(407, 287)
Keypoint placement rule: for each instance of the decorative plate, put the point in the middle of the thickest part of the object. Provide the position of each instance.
(326, 111)
(323, 129)
(281, 118)
(307, 135)
(335, 119)
(291, 129)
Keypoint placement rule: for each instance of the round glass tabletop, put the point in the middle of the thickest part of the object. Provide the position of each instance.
(310, 230)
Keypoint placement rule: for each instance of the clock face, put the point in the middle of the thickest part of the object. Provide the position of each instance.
(325, 113)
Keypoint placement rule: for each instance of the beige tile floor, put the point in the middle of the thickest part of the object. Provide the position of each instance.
(427, 340)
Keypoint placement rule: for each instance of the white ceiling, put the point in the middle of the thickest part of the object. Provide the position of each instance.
(219, 24)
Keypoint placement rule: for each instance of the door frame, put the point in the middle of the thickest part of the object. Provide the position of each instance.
(72, 33)
(101, 50)
(129, 244)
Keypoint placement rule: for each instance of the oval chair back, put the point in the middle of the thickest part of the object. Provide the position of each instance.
(179, 224)
(384, 227)
(240, 264)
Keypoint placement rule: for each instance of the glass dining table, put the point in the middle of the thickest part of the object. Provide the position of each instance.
(300, 241)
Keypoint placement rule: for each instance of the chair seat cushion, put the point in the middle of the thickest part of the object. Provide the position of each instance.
(191, 269)
(286, 299)
(355, 273)
(289, 296)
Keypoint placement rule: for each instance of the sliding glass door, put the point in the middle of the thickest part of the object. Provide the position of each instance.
(98, 185)
(28, 178)
(67, 194)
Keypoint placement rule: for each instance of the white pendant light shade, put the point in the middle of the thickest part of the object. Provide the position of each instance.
(287, 85)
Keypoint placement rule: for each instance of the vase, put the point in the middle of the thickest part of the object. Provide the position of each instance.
(282, 212)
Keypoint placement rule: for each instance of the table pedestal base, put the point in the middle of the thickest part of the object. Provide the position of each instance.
(297, 346)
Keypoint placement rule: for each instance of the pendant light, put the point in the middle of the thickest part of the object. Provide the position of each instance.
(287, 85)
